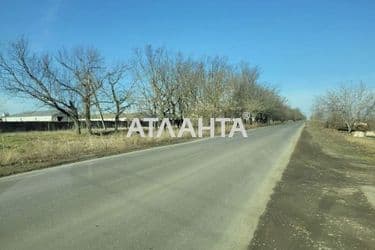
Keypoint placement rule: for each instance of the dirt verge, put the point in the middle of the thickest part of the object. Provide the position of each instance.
(319, 203)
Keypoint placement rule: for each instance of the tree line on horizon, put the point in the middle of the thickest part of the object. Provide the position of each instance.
(153, 82)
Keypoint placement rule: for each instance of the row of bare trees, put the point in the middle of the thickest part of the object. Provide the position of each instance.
(72, 82)
(153, 82)
(174, 86)
(345, 106)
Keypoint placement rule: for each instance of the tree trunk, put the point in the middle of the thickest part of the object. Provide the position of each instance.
(117, 121)
(88, 116)
(349, 127)
(97, 104)
(118, 113)
(77, 126)
(102, 119)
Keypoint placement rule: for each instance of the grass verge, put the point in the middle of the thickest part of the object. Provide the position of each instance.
(26, 151)
(319, 203)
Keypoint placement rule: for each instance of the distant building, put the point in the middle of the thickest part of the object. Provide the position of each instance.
(37, 116)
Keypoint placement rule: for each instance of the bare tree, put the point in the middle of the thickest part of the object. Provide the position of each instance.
(169, 86)
(29, 75)
(97, 102)
(348, 104)
(118, 93)
(174, 86)
(245, 91)
(187, 81)
(152, 69)
(86, 68)
(215, 86)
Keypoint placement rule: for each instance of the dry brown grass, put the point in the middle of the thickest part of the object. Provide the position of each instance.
(24, 151)
(341, 143)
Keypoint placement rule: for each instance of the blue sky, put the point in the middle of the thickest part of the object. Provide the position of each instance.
(302, 47)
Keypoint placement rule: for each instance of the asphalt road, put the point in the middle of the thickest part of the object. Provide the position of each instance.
(206, 194)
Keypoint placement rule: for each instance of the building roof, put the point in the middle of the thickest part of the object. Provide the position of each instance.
(37, 113)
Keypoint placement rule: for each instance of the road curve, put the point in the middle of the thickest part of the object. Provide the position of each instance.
(207, 194)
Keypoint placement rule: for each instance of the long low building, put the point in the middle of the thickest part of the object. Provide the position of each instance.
(49, 116)
(36, 116)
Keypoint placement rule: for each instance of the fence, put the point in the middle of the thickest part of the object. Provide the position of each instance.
(51, 126)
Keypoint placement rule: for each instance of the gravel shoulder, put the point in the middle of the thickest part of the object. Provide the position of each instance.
(324, 198)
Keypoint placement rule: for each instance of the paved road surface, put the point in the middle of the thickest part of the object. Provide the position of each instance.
(206, 194)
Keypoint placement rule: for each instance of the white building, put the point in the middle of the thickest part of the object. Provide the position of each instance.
(37, 116)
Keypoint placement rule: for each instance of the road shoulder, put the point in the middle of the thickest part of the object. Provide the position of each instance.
(320, 203)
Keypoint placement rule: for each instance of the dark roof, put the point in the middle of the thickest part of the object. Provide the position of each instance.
(37, 113)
